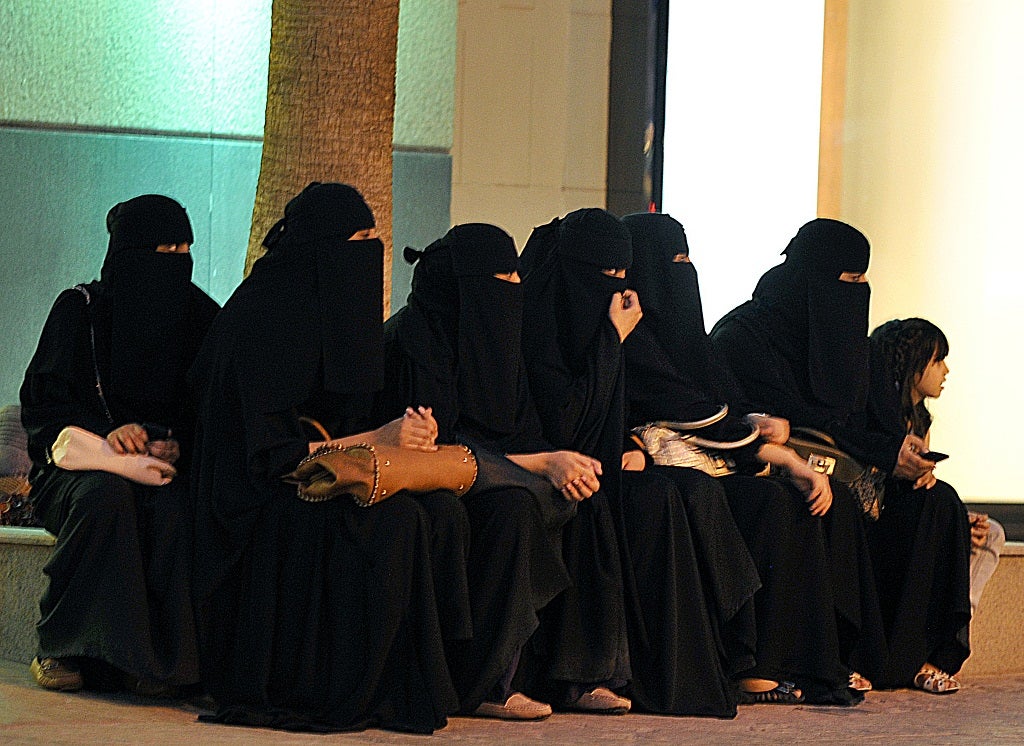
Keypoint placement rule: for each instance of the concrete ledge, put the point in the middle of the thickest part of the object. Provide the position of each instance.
(997, 632)
(23, 554)
(23, 535)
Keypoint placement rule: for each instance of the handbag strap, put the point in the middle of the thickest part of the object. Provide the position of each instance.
(92, 343)
(810, 432)
(723, 444)
(684, 426)
(315, 424)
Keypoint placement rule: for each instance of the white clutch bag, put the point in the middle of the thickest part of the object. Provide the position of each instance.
(76, 449)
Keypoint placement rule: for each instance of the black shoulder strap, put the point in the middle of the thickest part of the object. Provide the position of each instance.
(92, 342)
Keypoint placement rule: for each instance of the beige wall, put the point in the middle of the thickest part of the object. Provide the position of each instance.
(531, 102)
(931, 172)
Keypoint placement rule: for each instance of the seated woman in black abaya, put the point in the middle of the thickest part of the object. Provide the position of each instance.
(800, 349)
(113, 356)
(688, 580)
(816, 612)
(313, 616)
(456, 346)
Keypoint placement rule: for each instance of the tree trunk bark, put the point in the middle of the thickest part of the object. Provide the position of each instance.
(330, 108)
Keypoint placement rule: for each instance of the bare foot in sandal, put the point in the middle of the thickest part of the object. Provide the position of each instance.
(934, 681)
(859, 683)
(767, 691)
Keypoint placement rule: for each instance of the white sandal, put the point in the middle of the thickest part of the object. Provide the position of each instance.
(935, 681)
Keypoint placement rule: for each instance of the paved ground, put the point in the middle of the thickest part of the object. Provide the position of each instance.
(989, 710)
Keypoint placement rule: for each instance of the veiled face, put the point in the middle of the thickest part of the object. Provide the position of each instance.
(173, 248)
(613, 272)
(364, 235)
(855, 277)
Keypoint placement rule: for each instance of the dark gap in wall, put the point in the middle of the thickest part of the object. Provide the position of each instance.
(97, 130)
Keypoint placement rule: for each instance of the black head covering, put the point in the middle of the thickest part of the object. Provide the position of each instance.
(672, 370)
(561, 267)
(668, 290)
(817, 321)
(145, 222)
(465, 325)
(320, 212)
(319, 297)
(146, 294)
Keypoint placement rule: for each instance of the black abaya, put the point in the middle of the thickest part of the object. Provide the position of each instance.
(688, 580)
(311, 616)
(455, 348)
(921, 542)
(815, 609)
(118, 590)
(770, 342)
(573, 363)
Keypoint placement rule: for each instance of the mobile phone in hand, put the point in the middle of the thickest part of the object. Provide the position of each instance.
(156, 432)
(934, 456)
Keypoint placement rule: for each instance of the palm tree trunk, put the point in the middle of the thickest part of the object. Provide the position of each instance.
(330, 108)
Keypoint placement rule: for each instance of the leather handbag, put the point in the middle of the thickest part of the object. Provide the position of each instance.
(674, 443)
(76, 449)
(372, 473)
(867, 483)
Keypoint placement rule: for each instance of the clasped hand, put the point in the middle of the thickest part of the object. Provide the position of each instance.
(416, 429)
(132, 439)
(574, 474)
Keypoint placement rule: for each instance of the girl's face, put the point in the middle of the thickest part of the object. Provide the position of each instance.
(929, 383)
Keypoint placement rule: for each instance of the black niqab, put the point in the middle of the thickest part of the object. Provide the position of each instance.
(147, 299)
(816, 317)
(673, 371)
(461, 317)
(669, 292)
(293, 288)
(561, 267)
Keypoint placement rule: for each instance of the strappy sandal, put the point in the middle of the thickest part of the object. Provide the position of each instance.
(784, 693)
(936, 682)
(859, 683)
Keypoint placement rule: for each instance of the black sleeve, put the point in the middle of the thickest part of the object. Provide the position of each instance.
(410, 384)
(771, 386)
(573, 407)
(59, 388)
(655, 388)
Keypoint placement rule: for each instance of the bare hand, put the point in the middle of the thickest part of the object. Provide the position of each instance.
(130, 438)
(926, 481)
(573, 474)
(625, 313)
(979, 529)
(815, 486)
(166, 450)
(416, 429)
(910, 465)
(633, 461)
(772, 429)
(167, 470)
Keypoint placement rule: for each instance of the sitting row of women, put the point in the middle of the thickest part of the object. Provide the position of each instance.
(575, 572)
